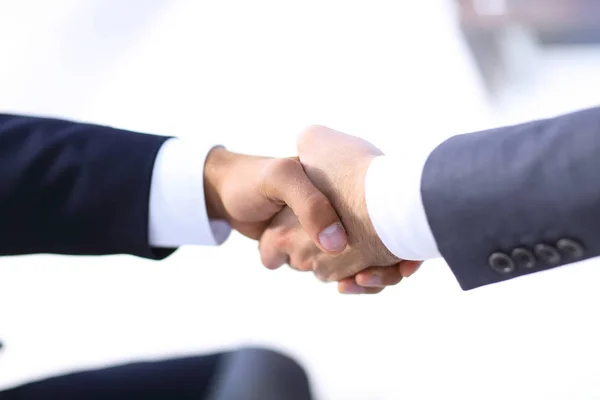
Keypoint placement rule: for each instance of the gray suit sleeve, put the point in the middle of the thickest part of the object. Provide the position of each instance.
(517, 200)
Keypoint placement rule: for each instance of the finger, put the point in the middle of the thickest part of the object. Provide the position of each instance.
(285, 181)
(407, 268)
(348, 286)
(271, 257)
(333, 268)
(302, 258)
(273, 241)
(379, 276)
(284, 242)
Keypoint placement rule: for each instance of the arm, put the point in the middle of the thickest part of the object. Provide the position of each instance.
(495, 204)
(72, 188)
(516, 200)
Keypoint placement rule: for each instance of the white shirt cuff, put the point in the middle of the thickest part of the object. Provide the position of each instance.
(395, 206)
(177, 212)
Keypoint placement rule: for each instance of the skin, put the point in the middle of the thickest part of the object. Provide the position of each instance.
(285, 242)
(248, 191)
(336, 163)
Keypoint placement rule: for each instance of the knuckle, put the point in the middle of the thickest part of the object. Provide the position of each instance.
(302, 261)
(320, 276)
(324, 274)
(273, 251)
(282, 242)
(279, 240)
(278, 170)
(308, 135)
(282, 166)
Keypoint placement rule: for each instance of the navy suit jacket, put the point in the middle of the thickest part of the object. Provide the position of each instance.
(73, 188)
(516, 200)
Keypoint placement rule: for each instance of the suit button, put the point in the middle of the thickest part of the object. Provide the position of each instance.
(523, 258)
(501, 263)
(570, 249)
(547, 254)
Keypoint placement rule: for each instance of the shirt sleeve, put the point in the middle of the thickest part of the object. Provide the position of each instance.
(177, 212)
(395, 205)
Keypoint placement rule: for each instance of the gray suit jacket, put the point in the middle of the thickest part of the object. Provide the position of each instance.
(512, 201)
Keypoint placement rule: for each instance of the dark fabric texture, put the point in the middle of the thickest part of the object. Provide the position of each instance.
(246, 374)
(73, 188)
(516, 187)
(259, 374)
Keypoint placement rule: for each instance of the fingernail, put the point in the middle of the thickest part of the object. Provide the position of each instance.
(374, 280)
(333, 237)
(354, 289)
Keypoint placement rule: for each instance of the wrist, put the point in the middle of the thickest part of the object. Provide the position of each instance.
(217, 164)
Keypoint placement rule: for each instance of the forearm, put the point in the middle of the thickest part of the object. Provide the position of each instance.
(73, 188)
(516, 200)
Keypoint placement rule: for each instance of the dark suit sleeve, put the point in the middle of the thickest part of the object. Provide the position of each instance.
(516, 200)
(72, 188)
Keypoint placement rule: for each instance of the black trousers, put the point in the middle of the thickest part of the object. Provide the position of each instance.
(246, 374)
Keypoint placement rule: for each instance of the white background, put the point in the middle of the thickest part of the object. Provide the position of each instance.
(251, 75)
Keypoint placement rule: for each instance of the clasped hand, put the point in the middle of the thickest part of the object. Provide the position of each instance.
(308, 212)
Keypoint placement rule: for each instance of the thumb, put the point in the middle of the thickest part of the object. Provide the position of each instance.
(284, 180)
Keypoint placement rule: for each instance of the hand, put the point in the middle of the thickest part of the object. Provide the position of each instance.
(374, 280)
(248, 191)
(336, 163)
(284, 241)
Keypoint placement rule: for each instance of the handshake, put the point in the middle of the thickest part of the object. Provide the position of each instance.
(495, 204)
(309, 212)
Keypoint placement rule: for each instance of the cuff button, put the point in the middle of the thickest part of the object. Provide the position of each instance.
(523, 258)
(501, 263)
(570, 249)
(547, 254)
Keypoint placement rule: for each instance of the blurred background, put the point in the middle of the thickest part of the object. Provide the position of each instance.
(251, 75)
(534, 54)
